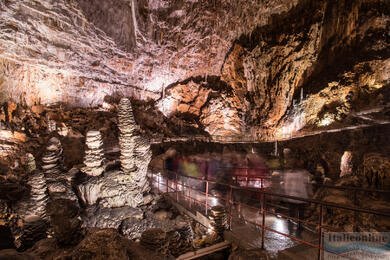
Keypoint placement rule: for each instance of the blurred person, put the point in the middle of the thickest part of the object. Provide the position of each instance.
(296, 183)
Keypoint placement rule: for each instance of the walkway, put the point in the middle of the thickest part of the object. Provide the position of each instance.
(244, 217)
(258, 217)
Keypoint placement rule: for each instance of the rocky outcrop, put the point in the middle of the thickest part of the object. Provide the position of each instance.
(296, 74)
(209, 101)
(155, 240)
(65, 221)
(35, 205)
(59, 182)
(93, 158)
(114, 196)
(29, 163)
(376, 171)
(98, 244)
(346, 165)
(75, 48)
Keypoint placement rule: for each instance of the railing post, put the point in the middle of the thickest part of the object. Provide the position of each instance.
(207, 195)
(167, 183)
(177, 192)
(230, 207)
(158, 182)
(189, 192)
(355, 213)
(320, 232)
(263, 208)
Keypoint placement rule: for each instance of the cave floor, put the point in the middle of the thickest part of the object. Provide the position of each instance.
(243, 227)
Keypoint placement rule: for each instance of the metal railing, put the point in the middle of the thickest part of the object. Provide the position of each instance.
(179, 186)
(205, 138)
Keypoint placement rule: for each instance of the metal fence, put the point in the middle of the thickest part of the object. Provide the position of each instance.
(192, 197)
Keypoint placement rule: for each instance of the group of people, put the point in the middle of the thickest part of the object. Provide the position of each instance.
(291, 179)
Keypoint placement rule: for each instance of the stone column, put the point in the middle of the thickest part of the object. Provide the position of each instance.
(94, 156)
(58, 182)
(127, 128)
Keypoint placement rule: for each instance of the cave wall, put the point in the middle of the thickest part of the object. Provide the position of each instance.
(324, 149)
(306, 68)
(233, 67)
(78, 51)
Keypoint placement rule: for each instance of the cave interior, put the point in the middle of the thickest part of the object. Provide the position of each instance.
(123, 121)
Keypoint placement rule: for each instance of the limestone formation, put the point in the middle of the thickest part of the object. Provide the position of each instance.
(127, 128)
(377, 170)
(35, 206)
(126, 187)
(93, 159)
(346, 164)
(29, 162)
(59, 183)
(218, 220)
(155, 239)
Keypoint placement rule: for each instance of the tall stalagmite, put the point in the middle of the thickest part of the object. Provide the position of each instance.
(127, 127)
(59, 183)
(35, 206)
(94, 157)
(128, 186)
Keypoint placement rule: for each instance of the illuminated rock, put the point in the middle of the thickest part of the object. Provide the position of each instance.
(126, 187)
(93, 159)
(29, 163)
(59, 182)
(346, 164)
(127, 128)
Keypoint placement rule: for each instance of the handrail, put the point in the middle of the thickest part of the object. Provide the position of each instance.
(230, 202)
(249, 176)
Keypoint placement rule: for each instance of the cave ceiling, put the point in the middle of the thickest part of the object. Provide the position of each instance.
(259, 67)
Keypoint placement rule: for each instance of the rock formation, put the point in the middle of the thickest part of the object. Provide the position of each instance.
(155, 239)
(127, 128)
(29, 163)
(114, 196)
(346, 165)
(35, 205)
(93, 159)
(59, 183)
(376, 170)
(65, 221)
(218, 220)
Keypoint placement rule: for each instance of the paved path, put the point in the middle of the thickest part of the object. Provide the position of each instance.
(242, 227)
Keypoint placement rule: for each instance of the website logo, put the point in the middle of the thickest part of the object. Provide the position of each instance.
(356, 245)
